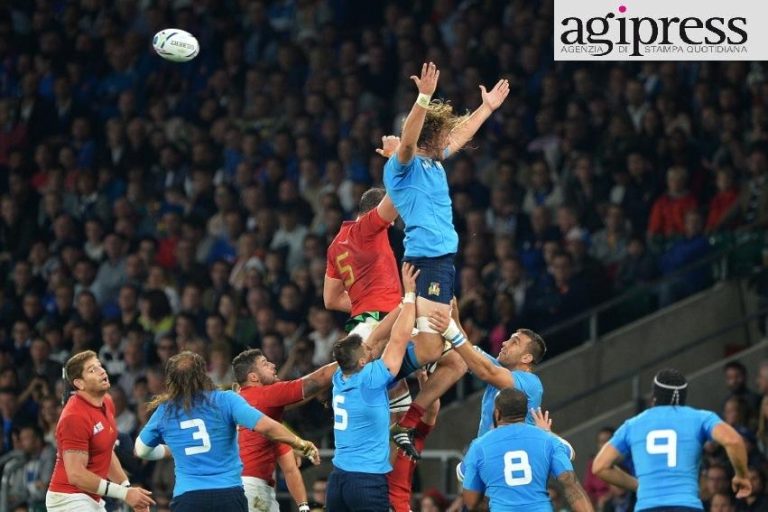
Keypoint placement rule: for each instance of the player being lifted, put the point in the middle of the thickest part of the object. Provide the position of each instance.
(362, 279)
(416, 182)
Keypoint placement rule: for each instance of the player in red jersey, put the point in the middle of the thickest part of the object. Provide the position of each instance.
(361, 276)
(257, 379)
(86, 465)
(400, 479)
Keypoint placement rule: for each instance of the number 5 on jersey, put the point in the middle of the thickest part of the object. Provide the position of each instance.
(663, 442)
(340, 416)
(345, 270)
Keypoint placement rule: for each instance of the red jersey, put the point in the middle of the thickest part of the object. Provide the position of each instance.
(84, 427)
(360, 256)
(258, 453)
(400, 479)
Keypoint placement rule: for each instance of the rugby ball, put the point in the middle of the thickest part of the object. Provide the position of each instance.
(175, 45)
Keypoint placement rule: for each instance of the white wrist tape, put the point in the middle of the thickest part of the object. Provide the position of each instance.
(126, 483)
(423, 100)
(112, 490)
(147, 453)
(454, 335)
(409, 298)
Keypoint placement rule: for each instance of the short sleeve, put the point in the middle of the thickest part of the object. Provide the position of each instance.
(242, 413)
(371, 224)
(472, 480)
(280, 394)
(709, 421)
(620, 440)
(561, 461)
(330, 268)
(73, 433)
(396, 167)
(150, 435)
(376, 375)
(282, 449)
(523, 380)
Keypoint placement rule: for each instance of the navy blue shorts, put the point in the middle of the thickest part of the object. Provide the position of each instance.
(357, 492)
(436, 280)
(231, 499)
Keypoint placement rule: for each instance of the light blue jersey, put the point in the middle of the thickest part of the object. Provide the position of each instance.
(665, 443)
(511, 465)
(527, 382)
(361, 419)
(203, 442)
(419, 191)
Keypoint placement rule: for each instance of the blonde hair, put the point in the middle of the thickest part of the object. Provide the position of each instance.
(438, 124)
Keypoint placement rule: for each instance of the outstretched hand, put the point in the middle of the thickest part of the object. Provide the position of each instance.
(496, 96)
(410, 273)
(389, 145)
(427, 82)
(541, 419)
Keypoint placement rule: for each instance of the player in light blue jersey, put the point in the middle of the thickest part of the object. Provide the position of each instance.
(358, 481)
(514, 366)
(512, 463)
(197, 426)
(416, 183)
(665, 443)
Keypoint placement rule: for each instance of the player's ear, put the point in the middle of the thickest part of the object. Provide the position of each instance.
(496, 418)
(78, 384)
(526, 359)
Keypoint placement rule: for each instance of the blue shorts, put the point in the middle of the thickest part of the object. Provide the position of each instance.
(231, 499)
(436, 279)
(357, 492)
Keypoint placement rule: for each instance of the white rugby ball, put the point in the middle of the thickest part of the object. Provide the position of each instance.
(176, 45)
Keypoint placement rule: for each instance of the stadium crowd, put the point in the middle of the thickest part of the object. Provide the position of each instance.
(148, 207)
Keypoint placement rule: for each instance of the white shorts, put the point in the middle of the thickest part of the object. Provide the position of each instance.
(260, 495)
(75, 502)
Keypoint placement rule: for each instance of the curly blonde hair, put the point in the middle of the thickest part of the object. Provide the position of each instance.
(438, 124)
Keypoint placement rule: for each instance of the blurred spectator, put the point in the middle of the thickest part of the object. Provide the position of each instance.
(598, 491)
(682, 253)
(722, 203)
(669, 211)
(736, 380)
(31, 484)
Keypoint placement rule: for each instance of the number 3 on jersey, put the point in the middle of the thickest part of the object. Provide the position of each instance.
(663, 442)
(516, 463)
(340, 416)
(345, 270)
(201, 433)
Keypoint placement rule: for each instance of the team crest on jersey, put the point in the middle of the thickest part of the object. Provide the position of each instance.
(434, 289)
(98, 428)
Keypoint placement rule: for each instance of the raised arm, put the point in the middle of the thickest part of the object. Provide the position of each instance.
(386, 209)
(736, 450)
(426, 83)
(574, 493)
(318, 381)
(480, 365)
(392, 357)
(464, 132)
(378, 338)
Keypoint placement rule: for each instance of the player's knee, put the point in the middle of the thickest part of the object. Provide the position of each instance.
(455, 362)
